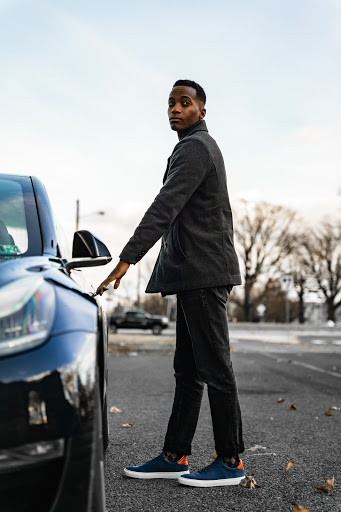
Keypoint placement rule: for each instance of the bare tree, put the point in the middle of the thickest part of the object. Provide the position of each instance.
(263, 238)
(323, 250)
(298, 265)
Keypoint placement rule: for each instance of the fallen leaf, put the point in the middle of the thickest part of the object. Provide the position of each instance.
(114, 409)
(289, 360)
(214, 455)
(298, 508)
(336, 408)
(249, 482)
(126, 425)
(290, 465)
(329, 412)
(331, 481)
(256, 447)
(280, 400)
(293, 406)
(329, 484)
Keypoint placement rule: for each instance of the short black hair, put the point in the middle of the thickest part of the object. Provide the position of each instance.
(189, 83)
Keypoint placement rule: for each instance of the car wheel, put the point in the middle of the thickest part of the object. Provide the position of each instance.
(157, 329)
(98, 484)
(113, 329)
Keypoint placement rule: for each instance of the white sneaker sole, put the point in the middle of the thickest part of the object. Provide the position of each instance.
(210, 483)
(161, 474)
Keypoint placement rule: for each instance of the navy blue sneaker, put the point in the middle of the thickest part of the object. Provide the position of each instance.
(159, 467)
(217, 473)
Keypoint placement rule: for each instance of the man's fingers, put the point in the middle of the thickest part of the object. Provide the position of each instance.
(117, 283)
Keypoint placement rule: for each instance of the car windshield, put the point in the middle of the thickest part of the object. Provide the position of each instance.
(19, 226)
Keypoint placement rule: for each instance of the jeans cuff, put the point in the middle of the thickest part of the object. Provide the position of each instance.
(179, 450)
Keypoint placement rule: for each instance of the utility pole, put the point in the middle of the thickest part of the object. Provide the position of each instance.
(77, 214)
(138, 285)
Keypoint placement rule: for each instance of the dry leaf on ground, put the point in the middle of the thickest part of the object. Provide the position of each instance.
(293, 406)
(214, 455)
(298, 508)
(290, 465)
(249, 482)
(126, 425)
(256, 447)
(114, 409)
(280, 400)
(329, 412)
(329, 484)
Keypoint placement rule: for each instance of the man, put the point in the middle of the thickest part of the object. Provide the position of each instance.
(198, 262)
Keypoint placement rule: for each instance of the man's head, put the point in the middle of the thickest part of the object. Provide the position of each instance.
(186, 105)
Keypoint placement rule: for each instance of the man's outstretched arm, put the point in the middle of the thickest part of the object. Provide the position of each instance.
(118, 272)
(191, 163)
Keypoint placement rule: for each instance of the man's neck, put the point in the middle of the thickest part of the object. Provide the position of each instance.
(183, 133)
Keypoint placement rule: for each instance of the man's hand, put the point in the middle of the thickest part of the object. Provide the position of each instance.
(116, 275)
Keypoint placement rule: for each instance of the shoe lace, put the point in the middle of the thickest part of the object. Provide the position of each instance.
(207, 468)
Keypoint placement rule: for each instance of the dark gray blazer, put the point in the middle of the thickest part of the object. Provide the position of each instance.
(192, 213)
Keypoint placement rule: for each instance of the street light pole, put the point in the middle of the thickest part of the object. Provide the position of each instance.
(77, 214)
(101, 212)
(138, 285)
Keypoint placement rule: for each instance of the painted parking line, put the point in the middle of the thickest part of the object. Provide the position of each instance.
(305, 365)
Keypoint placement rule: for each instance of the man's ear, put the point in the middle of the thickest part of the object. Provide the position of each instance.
(202, 113)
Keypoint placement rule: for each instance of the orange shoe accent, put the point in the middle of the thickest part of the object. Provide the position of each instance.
(240, 465)
(183, 460)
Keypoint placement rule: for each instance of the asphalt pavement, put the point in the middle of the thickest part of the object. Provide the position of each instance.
(141, 384)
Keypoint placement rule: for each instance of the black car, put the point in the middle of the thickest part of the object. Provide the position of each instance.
(53, 371)
(138, 320)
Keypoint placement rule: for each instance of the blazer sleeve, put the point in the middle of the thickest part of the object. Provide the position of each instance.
(190, 164)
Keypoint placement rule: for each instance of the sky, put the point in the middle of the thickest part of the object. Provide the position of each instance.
(84, 88)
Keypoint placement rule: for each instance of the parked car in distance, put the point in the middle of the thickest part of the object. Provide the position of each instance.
(53, 359)
(138, 320)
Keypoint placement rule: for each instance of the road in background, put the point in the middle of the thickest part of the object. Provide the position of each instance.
(141, 383)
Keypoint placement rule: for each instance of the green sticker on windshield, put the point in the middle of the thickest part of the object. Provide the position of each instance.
(9, 249)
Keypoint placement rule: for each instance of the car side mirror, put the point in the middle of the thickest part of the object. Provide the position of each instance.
(86, 245)
(87, 251)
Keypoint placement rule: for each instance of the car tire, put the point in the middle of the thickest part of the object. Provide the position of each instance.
(98, 484)
(113, 329)
(156, 329)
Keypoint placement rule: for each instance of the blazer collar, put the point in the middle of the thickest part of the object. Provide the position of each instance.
(199, 126)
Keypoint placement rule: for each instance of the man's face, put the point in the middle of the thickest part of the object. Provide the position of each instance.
(184, 108)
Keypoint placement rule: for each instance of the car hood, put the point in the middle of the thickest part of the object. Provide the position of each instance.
(49, 268)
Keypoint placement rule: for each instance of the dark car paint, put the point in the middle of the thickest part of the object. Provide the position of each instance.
(62, 373)
(45, 218)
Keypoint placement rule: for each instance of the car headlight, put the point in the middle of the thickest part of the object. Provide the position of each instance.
(165, 320)
(27, 311)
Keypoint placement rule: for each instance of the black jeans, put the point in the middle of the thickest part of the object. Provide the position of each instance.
(202, 355)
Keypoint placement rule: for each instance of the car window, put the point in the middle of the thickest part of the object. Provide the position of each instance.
(19, 227)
